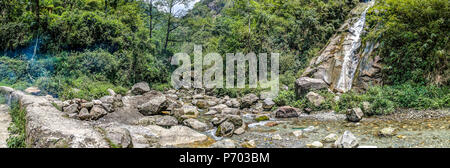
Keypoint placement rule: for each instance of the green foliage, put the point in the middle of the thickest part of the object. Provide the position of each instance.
(385, 99)
(17, 127)
(262, 118)
(413, 36)
(86, 88)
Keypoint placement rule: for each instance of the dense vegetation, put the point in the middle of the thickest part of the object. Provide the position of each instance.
(414, 40)
(81, 48)
(382, 99)
(17, 127)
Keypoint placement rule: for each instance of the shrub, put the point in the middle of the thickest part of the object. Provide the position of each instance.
(413, 37)
(17, 127)
(88, 89)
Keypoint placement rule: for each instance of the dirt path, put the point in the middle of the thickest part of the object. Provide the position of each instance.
(5, 119)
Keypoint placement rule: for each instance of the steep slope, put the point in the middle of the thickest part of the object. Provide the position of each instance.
(337, 64)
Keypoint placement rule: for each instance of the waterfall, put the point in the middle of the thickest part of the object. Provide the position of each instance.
(351, 60)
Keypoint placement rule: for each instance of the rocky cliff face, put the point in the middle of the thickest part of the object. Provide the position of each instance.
(342, 64)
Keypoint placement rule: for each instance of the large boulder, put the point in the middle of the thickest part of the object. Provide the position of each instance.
(354, 114)
(305, 84)
(286, 112)
(231, 111)
(33, 90)
(196, 125)
(73, 108)
(166, 121)
(118, 137)
(97, 112)
(387, 132)
(47, 127)
(140, 88)
(155, 105)
(187, 111)
(225, 143)
(226, 129)
(218, 108)
(248, 100)
(315, 99)
(268, 104)
(347, 140)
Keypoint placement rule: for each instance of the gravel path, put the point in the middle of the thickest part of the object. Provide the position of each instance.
(5, 119)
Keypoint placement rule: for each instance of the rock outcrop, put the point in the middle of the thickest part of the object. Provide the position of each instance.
(342, 64)
(46, 126)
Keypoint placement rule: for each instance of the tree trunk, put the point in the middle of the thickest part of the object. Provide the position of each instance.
(168, 25)
(151, 18)
(36, 13)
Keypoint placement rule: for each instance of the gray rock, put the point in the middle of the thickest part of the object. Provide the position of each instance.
(316, 144)
(107, 100)
(298, 133)
(231, 111)
(235, 103)
(286, 112)
(225, 143)
(211, 112)
(236, 120)
(248, 100)
(331, 138)
(87, 105)
(347, 140)
(84, 114)
(166, 121)
(249, 144)
(47, 128)
(305, 84)
(147, 120)
(111, 92)
(108, 107)
(315, 98)
(354, 114)
(268, 104)
(140, 88)
(154, 105)
(277, 137)
(97, 112)
(118, 137)
(180, 135)
(33, 90)
(387, 132)
(366, 107)
(239, 131)
(226, 129)
(73, 108)
(195, 124)
(187, 111)
(218, 108)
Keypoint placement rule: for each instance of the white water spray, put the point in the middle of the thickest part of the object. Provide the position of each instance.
(351, 60)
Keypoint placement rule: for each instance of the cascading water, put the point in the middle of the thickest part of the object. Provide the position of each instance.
(351, 60)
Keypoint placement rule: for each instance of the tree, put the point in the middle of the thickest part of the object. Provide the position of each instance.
(168, 5)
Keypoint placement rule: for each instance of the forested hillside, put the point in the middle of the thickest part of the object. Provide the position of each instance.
(95, 44)
(98, 73)
(80, 48)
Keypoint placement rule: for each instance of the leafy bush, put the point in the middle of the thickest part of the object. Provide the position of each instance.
(17, 127)
(86, 88)
(413, 37)
(383, 99)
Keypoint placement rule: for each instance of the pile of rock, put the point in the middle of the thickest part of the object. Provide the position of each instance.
(92, 110)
